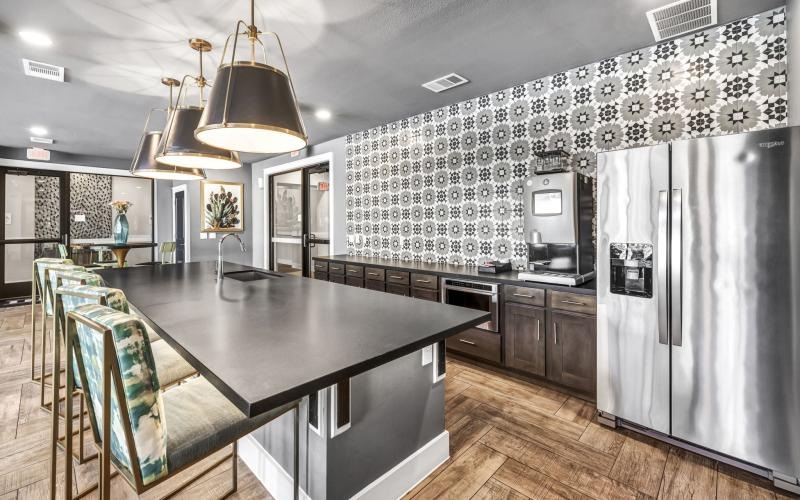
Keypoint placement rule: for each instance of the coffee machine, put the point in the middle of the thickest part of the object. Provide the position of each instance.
(558, 228)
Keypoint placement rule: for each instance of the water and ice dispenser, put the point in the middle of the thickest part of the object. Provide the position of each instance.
(632, 269)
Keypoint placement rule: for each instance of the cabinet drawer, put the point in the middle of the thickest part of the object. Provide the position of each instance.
(524, 295)
(336, 268)
(574, 302)
(397, 289)
(397, 277)
(320, 276)
(375, 285)
(425, 281)
(375, 273)
(425, 294)
(354, 271)
(354, 281)
(336, 278)
(476, 343)
(320, 266)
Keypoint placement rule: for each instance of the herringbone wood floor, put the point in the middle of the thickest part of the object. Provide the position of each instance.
(508, 439)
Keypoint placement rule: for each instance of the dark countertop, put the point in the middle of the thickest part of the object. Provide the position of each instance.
(269, 342)
(507, 278)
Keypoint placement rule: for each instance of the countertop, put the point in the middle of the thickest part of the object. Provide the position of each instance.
(466, 272)
(269, 342)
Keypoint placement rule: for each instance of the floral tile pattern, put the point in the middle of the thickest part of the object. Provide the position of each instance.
(446, 185)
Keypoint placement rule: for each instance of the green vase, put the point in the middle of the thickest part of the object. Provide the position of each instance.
(121, 229)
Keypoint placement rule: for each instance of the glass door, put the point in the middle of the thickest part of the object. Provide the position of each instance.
(35, 222)
(286, 237)
(300, 221)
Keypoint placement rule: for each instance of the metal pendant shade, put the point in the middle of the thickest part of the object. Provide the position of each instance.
(145, 165)
(252, 107)
(257, 114)
(180, 148)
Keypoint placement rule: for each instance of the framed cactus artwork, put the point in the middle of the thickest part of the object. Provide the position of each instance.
(223, 207)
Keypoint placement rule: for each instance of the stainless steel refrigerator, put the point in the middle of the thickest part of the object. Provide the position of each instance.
(698, 310)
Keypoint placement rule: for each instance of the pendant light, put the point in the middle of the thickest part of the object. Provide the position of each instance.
(253, 106)
(178, 146)
(144, 163)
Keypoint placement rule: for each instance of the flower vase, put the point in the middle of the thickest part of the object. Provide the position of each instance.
(121, 229)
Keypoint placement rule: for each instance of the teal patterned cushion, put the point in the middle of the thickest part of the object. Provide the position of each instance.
(77, 278)
(70, 297)
(140, 384)
(39, 267)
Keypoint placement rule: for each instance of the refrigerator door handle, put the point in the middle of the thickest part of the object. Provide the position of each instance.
(661, 276)
(675, 270)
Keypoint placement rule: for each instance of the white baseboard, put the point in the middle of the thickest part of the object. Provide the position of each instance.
(267, 470)
(393, 484)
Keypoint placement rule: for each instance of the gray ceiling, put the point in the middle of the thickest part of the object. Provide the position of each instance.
(362, 59)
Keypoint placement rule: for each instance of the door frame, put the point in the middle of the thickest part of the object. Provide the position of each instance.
(187, 242)
(287, 167)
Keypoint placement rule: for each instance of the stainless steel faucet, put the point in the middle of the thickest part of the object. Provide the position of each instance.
(219, 252)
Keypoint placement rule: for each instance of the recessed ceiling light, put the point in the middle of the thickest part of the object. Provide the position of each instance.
(36, 38)
(38, 131)
(323, 114)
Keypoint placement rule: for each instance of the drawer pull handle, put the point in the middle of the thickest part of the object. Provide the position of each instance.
(538, 331)
(352, 271)
(372, 274)
(555, 333)
(467, 342)
(395, 277)
(573, 302)
(523, 295)
(423, 281)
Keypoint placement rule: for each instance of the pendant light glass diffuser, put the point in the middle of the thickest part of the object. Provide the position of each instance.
(178, 146)
(253, 106)
(144, 163)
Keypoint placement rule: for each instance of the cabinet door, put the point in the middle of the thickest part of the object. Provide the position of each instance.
(572, 351)
(525, 337)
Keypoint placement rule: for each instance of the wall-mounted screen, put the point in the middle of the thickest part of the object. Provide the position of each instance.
(547, 202)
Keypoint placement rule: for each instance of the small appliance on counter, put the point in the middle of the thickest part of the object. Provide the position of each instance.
(558, 228)
(494, 267)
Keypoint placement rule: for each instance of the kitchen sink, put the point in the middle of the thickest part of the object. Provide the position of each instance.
(250, 275)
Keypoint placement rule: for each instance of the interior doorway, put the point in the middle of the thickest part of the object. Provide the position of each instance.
(300, 218)
(180, 224)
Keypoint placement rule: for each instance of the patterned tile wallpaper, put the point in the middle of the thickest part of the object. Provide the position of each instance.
(46, 210)
(445, 186)
(90, 194)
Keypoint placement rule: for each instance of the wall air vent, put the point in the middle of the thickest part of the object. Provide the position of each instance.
(681, 17)
(43, 70)
(446, 82)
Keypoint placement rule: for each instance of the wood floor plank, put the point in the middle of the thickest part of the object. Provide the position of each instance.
(557, 467)
(640, 463)
(456, 407)
(577, 410)
(735, 484)
(569, 448)
(602, 438)
(11, 353)
(495, 490)
(512, 389)
(521, 410)
(688, 475)
(534, 484)
(465, 433)
(453, 387)
(465, 475)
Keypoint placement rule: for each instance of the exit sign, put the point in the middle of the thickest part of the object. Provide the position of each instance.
(38, 154)
(323, 186)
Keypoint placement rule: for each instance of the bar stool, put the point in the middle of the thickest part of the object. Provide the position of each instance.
(38, 290)
(148, 435)
(69, 297)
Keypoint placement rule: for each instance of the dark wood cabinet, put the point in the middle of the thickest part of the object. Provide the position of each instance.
(572, 350)
(354, 281)
(525, 337)
(424, 294)
(476, 343)
(379, 286)
(337, 278)
(398, 289)
(320, 275)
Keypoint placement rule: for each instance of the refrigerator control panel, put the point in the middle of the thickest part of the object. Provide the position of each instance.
(632, 269)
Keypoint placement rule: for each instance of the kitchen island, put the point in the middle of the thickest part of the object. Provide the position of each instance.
(375, 415)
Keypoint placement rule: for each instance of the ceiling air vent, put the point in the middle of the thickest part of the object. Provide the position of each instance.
(681, 17)
(43, 70)
(42, 140)
(445, 83)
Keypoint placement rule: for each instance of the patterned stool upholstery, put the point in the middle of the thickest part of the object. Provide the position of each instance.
(170, 364)
(151, 435)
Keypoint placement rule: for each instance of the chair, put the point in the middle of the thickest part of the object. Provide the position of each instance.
(63, 251)
(167, 251)
(148, 435)
(74, 289)
(105, 260)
